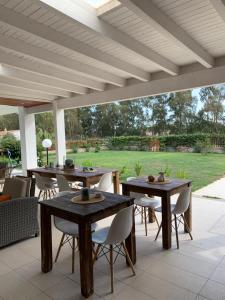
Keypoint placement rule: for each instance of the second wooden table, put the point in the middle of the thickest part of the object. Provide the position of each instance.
(164, 191)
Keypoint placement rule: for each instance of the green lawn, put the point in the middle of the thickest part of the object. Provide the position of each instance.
(202, 169)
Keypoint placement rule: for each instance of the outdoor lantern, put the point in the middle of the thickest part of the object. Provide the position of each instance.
(47, 143)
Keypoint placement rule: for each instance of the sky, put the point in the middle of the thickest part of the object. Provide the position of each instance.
(96, 3)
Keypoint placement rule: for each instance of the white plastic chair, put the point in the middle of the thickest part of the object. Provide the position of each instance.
(178, 210)
(105, 183)
(46, 186)
(142, 203)
(63, 184)
(114, 237)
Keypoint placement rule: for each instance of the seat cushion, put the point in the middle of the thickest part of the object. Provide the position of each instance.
(100, 235)
(68, 227)
(147, 202)
(5, 198)
(159, 209)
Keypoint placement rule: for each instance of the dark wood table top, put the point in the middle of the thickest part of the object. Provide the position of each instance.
(91, 212)
(77, 172)
(171, 187)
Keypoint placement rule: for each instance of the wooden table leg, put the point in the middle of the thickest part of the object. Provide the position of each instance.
(116, 183)
(86, 183)
(46, 240)
(131, 243)
(131, 239)
(86, 263)
(188, 215)
(166, 222)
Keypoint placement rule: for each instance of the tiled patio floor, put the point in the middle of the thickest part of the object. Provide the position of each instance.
(196, 271)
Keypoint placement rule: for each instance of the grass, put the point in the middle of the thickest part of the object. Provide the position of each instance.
(202, 169)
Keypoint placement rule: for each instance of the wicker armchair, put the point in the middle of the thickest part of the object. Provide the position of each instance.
(18, 220)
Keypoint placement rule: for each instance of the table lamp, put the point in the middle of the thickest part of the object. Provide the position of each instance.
(47, 143)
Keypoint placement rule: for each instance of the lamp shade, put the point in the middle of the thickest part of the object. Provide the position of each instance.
(46, 143)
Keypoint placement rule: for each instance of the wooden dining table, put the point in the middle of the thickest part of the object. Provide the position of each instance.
(84, 215)
(164, 191)
(77, 174)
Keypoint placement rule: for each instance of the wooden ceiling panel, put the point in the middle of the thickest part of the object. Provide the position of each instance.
(17, 102)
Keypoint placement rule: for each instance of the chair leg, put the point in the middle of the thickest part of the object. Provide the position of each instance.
(96, 253)
(39, 195)
(176, 229)
(160, 227)
(111, 267)
(156, 219)
(60, 246)
(187, 227)
(73, 253)
(145, 217)
(128, 258)
(142, 212)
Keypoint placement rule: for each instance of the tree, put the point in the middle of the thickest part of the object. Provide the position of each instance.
(213, 98)
(159, 117)
(182, 107)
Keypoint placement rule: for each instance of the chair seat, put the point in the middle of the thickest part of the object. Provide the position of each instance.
(159, 209)
(68, 227)
(147, 202)
(100, 235)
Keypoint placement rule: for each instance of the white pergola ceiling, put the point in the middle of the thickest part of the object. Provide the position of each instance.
(69, 52)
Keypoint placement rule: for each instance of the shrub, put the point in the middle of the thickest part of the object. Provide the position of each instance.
(9, 142)
(74, 148)
(87, 147)
(203, 147)
(97, 148)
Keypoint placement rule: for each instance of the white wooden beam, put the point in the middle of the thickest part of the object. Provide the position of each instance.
(90, 22)
(42, 81)
(52, 76)
(204, 77)
(12, 90)
(152, 15)
(39, 109)
(32, 86)
(108, 8)
(58, 60)
(219, 6)
(60, 135)
(28, 140)
(35, 28)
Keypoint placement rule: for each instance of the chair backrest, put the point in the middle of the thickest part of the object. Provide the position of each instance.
(63, 184)
(30, 182)
(3, 172)
(16, 188)
(40, 182)
(105, 182)
(133, 194)
(121, 226)
(183, 201)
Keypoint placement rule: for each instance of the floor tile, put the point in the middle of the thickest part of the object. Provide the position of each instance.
(15, 257)
(213, 291)
(4, 269)
(32, 272)
(177, 276)
(159, 289)
(67, 290)
(219, 275)
(190, 264)
(12, 287)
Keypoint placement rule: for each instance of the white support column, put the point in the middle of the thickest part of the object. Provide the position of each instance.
(28, 140)
(60, 138)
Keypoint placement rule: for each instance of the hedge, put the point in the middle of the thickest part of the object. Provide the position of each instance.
(144, 142)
